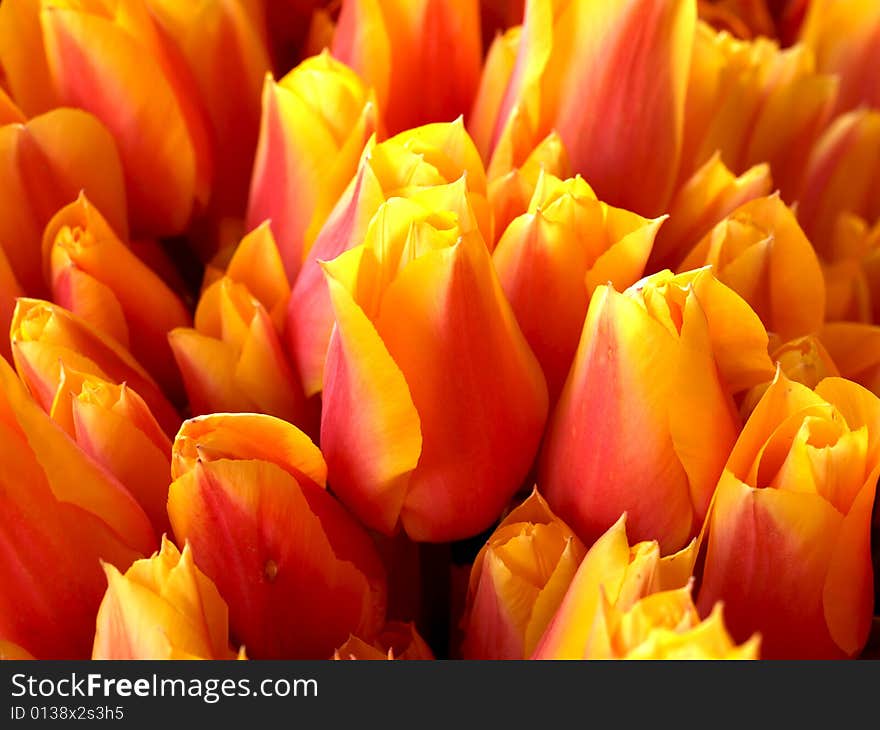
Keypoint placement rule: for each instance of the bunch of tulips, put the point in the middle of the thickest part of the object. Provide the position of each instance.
(402, 329)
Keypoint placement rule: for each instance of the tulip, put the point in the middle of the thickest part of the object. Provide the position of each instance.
(852, 271)
(421, 56)
(612, 572)
(576, 55)
(517, 582)
(62, 515)
(397, 640)
(855, 349)
(162, 607)
(114, 426)
(57, 154)
(297, 572)
(711, 194)
(845, 38)
(405, 165)
(233, 359)
(761, 253)
(646, 419)
(840, 176)
(112, 59)
(224, 46)
(315, 124)
(788, 547)
(551, 259)
(46, 337)
(94, 275)
(755, 103)
(420, 427)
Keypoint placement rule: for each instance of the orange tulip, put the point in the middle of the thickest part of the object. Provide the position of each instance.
(846, 40)
(162, 607)
(612, 574)
(855, 349)
(233, 359)
(46, 337)
(789, 548)
(421, 56)
(517, 582)
(62, 514)
(646, 419)
(397, 640)
(841, 175)
(405, 165)
(97, 277)
(761, 253)
(711, 194)
(552, 258)
(433, 403)
(575, 72)
(851, 267)
(755, 103)
(315, 123)
(112, 59)
(303, 574)
(44, 164)
(224, 46)
(114, 426)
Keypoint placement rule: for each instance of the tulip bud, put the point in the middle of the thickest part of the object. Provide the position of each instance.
(405, 165)
(315, 123)
(405, 441)
(111, 59)
(59, 154)
(304, 574)
(551, 259)
(646, 419)
(416, 81)
(45, 336)
(233, 360)
(94, 275)
(789, 550)
(397, 640)
(517, 582)
(611, 574)
(163, 607)
(62, 515)
(761, 253)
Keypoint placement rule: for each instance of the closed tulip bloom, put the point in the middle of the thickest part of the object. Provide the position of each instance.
(46, 337)
(416, 82)
(711, 194)
(405, 165)
(846, 38)
(113, 425)
(162, 607)
(224, 46)
(315, 123)
(297, 572)
(788, 548)
(614, 573)
(517, 582)
(761, 253)
(754, 103)
(99, 278)
(111, 59)
(62, 515)
(233, 360)
(59, 153)
(646, 419)
(396, 640)
(841, 175)
(575, 56)
(406, 444)
(550, 260)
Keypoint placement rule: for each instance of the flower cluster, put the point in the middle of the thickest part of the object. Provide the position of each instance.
(402, 329)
